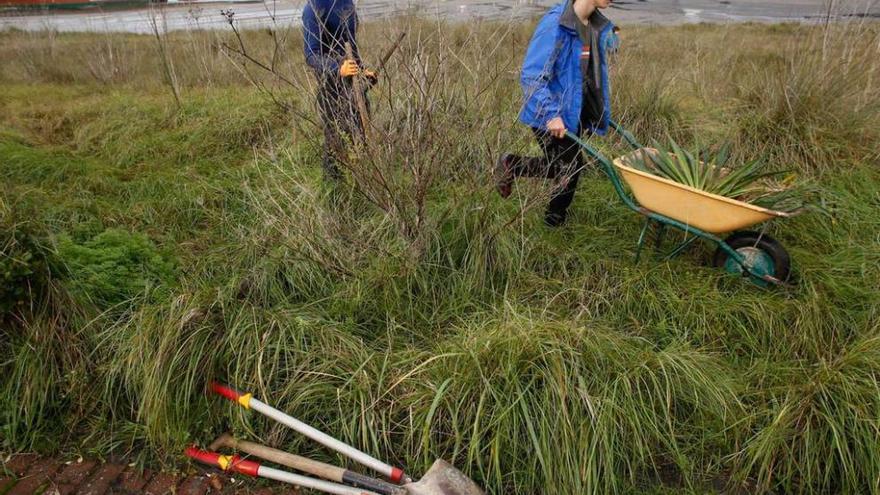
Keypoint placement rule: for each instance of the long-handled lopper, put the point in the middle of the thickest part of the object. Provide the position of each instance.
(306, 465)
(235, 464)
(248, 401)
(441, 479)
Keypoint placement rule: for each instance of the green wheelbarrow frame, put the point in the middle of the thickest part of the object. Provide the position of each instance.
(758, 272)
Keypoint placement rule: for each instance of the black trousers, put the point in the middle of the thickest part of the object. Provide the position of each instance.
(562, 161)
(340, 119)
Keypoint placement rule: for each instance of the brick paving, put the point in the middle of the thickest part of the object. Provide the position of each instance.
(38, 476)
(101, 480)
(28, 474)
(133, 480)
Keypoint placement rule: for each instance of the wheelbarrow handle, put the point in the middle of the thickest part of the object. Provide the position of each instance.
(627, 136)
(796, 212)
(590, 150)
(593, 152)
(608, 168)
(606, 164)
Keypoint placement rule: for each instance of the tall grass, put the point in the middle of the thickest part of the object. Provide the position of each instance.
(409, 310)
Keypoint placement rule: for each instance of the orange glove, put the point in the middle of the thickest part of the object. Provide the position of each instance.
(349, 68)
(371, 77)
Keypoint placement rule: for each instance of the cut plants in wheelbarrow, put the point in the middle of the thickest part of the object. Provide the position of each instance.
(714, 172)
(705, 195)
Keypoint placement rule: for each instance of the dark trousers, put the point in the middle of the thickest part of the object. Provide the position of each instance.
(340, 119)
(562, 161)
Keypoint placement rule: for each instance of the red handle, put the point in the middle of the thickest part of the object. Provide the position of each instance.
(202, 456)
(225, 391)
(232, 463)
(396, 475)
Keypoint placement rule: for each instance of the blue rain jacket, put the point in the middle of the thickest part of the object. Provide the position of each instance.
(327, 26)
(551, 77)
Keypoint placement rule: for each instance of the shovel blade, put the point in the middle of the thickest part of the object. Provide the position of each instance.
(443, 479)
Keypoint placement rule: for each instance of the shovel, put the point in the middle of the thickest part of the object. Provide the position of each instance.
(306, 465)
(441, 479)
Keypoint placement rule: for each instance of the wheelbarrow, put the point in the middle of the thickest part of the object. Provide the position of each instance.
(700, 215)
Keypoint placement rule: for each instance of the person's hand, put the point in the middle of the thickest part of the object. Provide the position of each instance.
(349, 68)
(371, 77)
(556, 127)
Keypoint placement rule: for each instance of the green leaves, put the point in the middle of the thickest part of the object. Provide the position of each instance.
(713, 173)
(114, 266)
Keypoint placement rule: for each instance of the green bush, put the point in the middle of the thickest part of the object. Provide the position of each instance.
(21, 266)
(23, 263)
(113, 267)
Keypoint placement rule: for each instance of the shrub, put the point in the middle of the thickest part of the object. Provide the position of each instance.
(23, 262)
(113, 267)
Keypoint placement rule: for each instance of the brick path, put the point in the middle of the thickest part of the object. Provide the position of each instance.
(28, 474)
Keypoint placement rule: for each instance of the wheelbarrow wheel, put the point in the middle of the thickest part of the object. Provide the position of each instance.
(764, 255)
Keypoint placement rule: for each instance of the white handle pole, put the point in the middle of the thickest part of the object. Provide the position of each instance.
(393, 473)
(306, 482)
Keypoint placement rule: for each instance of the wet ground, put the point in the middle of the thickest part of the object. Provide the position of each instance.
(206, 15)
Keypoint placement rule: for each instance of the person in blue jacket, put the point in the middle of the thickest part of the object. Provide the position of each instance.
(565, 84)
(327, 26)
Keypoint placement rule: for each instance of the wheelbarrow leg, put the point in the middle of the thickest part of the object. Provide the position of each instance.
(658, 241)
(681, 247)
(642, 238)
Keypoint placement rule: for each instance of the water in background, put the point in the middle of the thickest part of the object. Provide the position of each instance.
(204, 14)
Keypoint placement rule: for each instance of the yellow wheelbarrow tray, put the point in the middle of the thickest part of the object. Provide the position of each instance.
(699, 214)
(693, 207)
